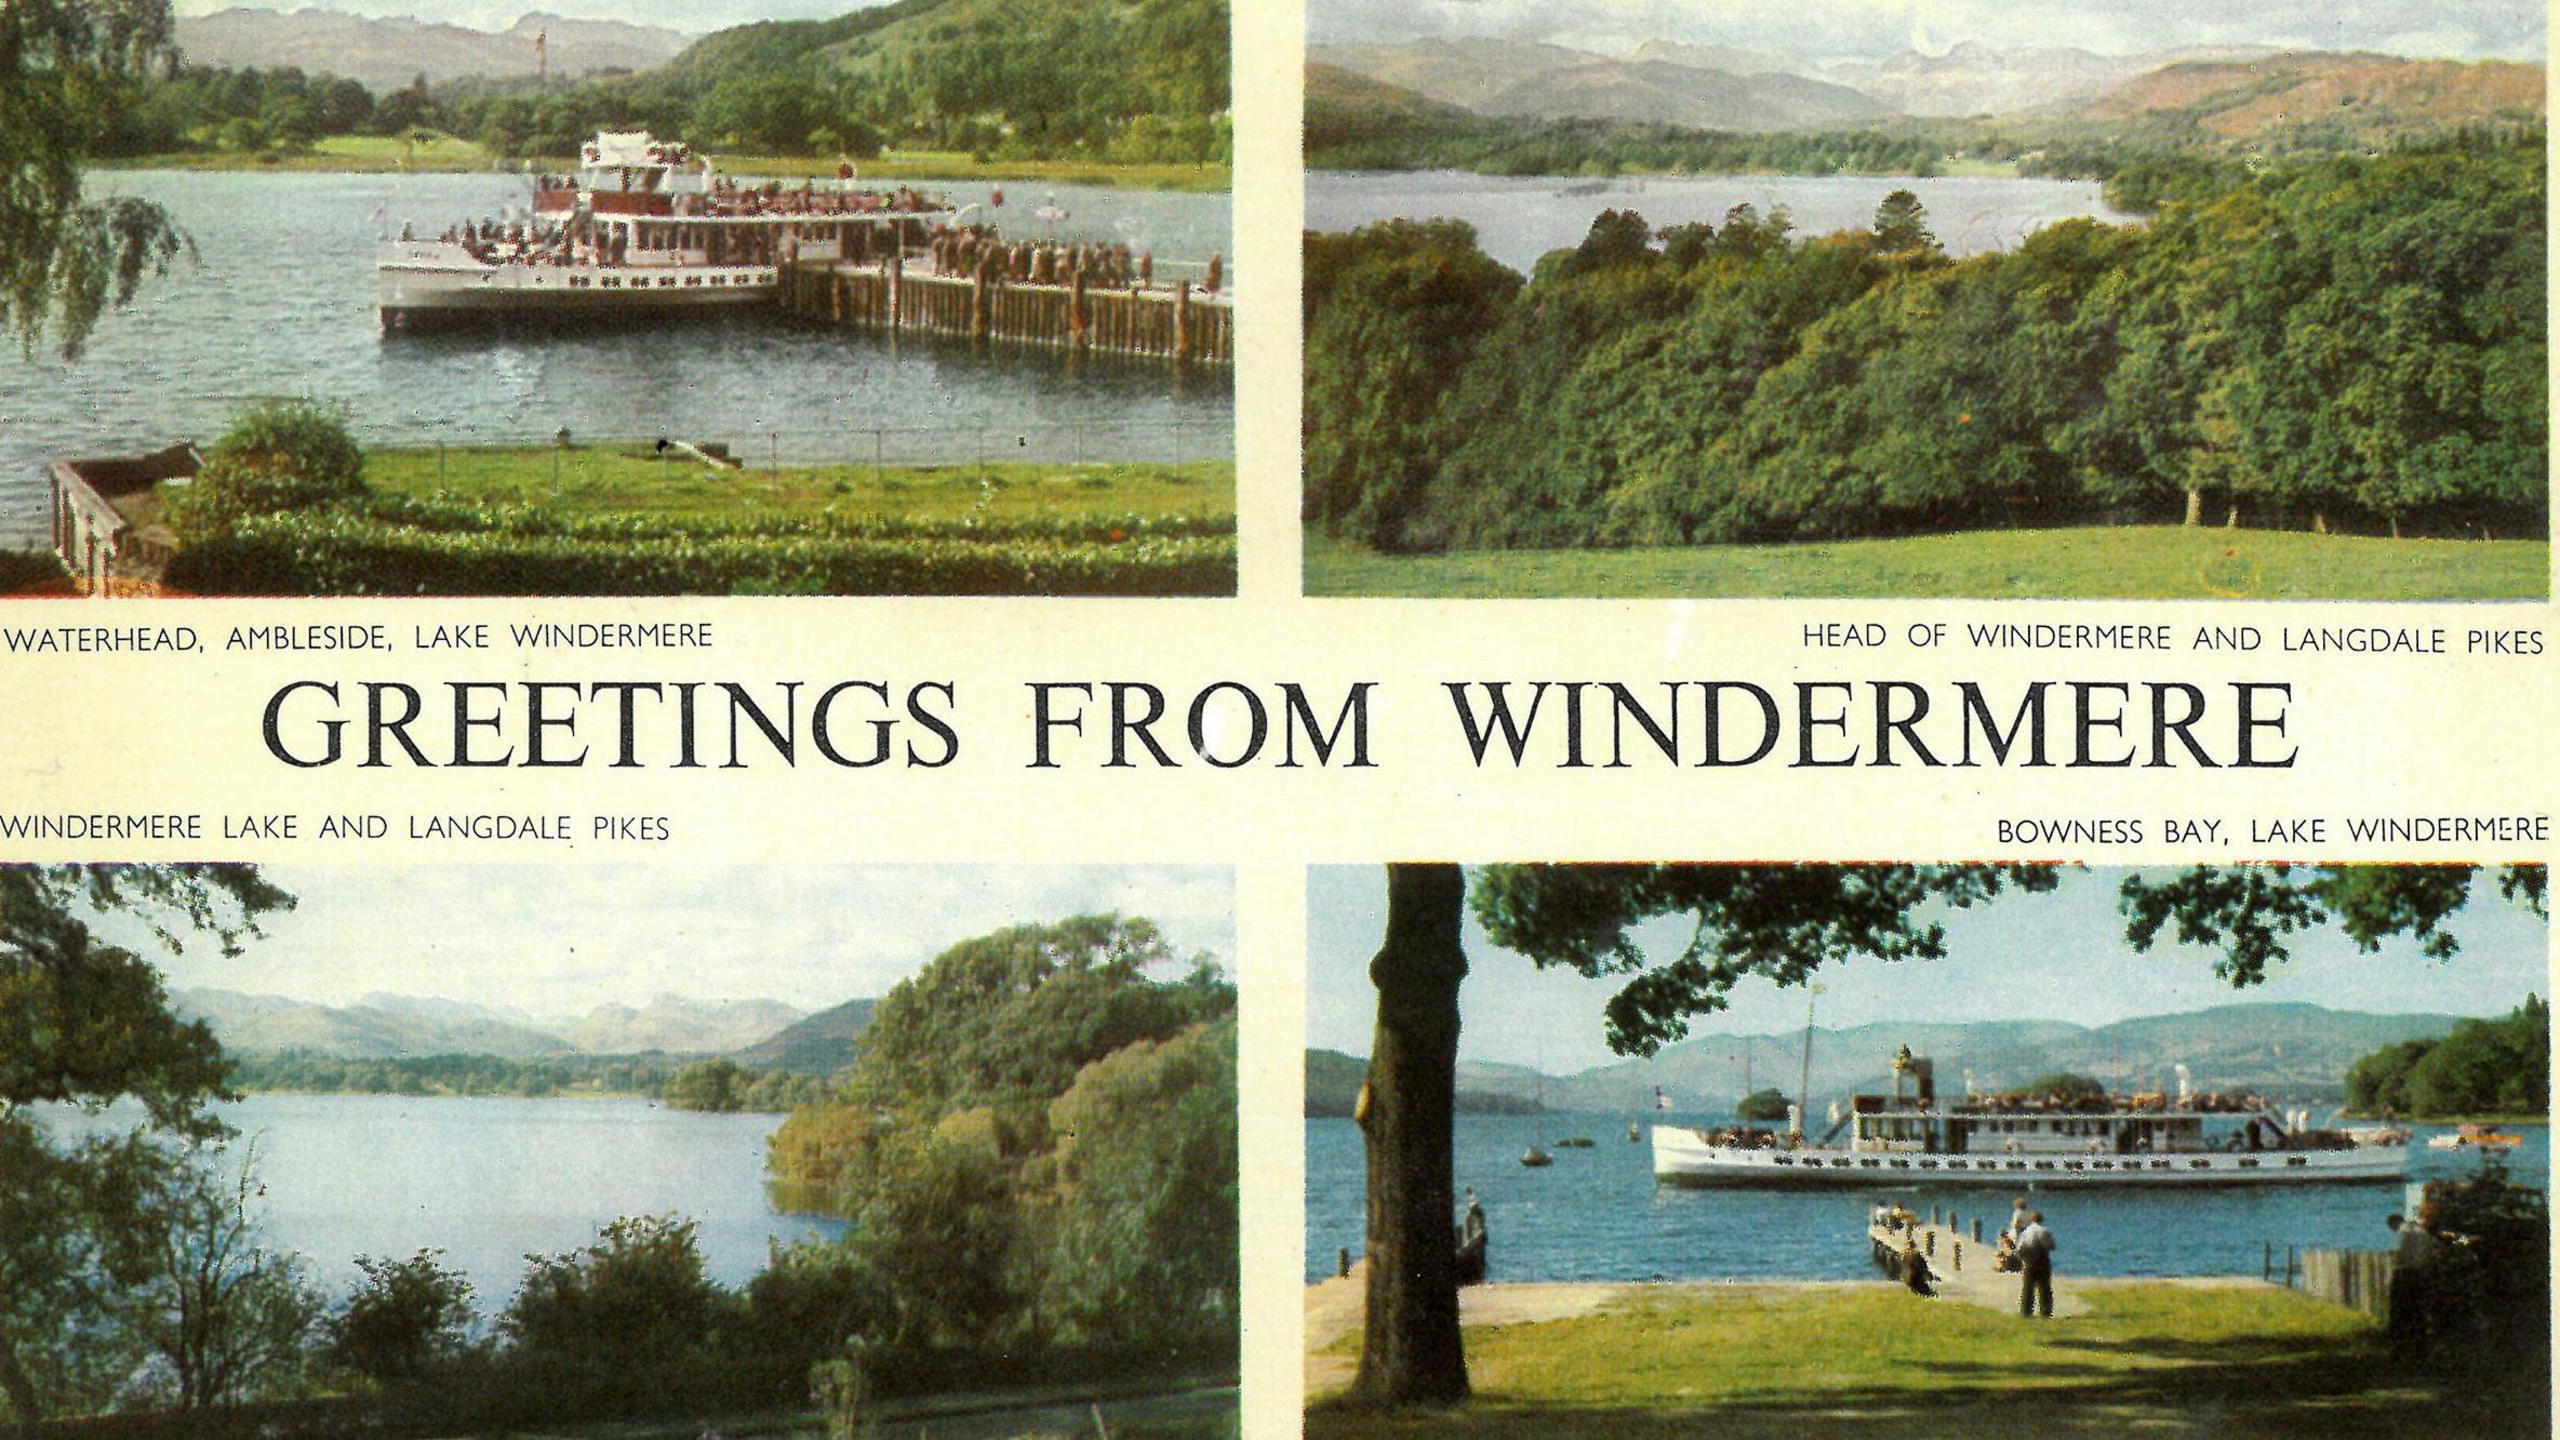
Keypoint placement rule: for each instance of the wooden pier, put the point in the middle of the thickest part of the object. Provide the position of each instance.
(1959, 1259)
(1177, 323)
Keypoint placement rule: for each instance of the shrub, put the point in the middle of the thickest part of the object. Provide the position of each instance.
(637, 1294)
(408, 1317)
(278, 456)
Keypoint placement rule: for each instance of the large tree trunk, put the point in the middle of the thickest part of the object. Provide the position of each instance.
(2195, 506)
(1410, 1352)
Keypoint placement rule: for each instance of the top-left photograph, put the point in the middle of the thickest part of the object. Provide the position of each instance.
(656, 297)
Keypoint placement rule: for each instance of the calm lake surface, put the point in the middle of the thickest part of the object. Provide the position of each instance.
(280, 301)
(1597, 1215)
(1519, 218)
(488, 1181)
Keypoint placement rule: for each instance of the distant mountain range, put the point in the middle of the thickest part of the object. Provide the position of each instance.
(387, 54)
(2230, 91)
(386, 1027)
(2291, 1051)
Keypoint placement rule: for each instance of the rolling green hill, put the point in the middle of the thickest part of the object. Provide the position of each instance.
(1121, 79)
(821, 1044)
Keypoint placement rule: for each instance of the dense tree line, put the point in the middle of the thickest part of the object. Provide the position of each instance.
(1355, 132)
(2484, 1067)
(2356, 343)
(1037, 1148)
(717, 1084)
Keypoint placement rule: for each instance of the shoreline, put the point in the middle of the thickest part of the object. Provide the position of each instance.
(1103, 174)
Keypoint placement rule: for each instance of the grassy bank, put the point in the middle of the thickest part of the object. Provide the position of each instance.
(1872, 1361)
(2163, 562)
(633, 482)
(618, 521)
(372, 154)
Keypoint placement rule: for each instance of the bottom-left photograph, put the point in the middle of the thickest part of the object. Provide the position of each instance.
(628, 1150)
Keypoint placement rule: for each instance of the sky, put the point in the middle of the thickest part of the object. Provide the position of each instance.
(2059, 956)
(1872, 29)
(558, 940)
(698, 17)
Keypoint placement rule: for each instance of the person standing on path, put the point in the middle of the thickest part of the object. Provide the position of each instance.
(2035, 1268)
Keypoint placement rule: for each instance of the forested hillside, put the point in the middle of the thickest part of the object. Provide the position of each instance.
(1120, 81)
(2343, 344)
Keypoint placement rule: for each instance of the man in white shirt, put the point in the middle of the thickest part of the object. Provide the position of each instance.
(2035, 1268)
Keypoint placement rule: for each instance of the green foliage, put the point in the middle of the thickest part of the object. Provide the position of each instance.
(230, 1316)
(1036, 1147)
(279, 457)
(1394, 314)
(2068, 1090)
(1766, 1103)
(724, 1086)
(1147, 1240)
(635, 1296)
(2494, 1295)
(2356, 343)
(2484, 1067)
(395, 546)
(2246, 911)
(1781, 922)
(72, 71)
(304, 1072)
(405, 1320)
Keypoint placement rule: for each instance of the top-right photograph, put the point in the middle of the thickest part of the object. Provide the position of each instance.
(1927, 298)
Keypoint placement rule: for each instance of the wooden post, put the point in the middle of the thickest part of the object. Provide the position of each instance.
(1182, 321)
(1342, 1262)
(897, 274)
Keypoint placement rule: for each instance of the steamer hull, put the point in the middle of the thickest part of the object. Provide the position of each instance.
(1682, 1157)
(419, 293)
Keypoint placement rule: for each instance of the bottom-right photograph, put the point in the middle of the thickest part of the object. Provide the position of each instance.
(1948, 1150)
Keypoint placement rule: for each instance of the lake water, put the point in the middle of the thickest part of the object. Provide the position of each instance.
(1519, 218)
(1598, 1215)
(488, 1181)
(280, 301)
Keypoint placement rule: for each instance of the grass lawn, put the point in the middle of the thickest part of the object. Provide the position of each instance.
(1875, 1363)
(632, 482)
(2162, 562)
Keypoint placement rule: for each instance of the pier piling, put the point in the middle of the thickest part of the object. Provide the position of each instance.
(1069, 313)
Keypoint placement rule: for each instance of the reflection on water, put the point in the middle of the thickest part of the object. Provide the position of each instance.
(1519, 218)
(280, 301)
(1597, 1215)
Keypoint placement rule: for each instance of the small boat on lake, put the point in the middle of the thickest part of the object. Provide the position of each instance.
(1533, 1157)
(2130, 1141)
(1575, 1142)
(2476, 1137)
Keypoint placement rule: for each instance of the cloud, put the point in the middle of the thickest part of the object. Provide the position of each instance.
(559, 940)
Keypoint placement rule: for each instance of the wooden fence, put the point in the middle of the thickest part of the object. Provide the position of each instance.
(1178, 323)
(2357, 1279)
